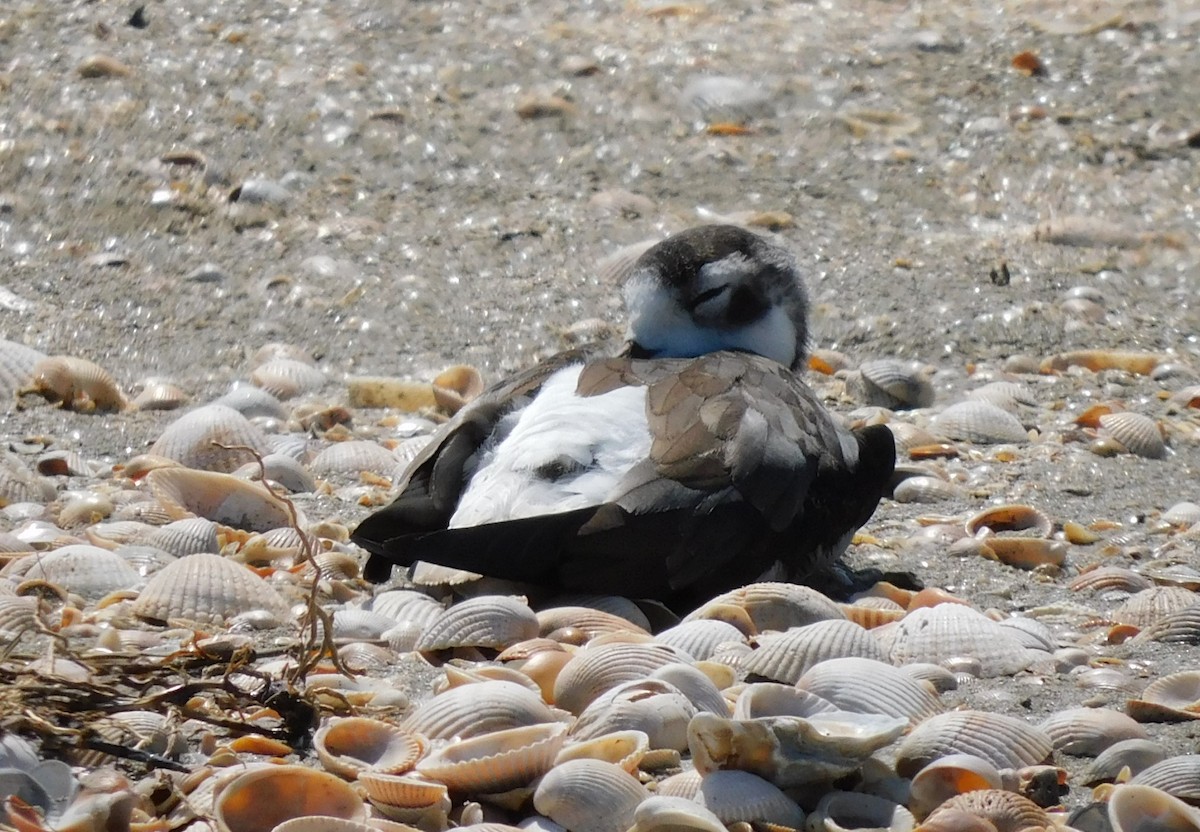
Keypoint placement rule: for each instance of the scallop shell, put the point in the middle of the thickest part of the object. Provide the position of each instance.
(675, 814)
(773, 605)
(187, 537)
(16, 367)
(222, 498)
(654, 707)
(208, 589)
(980, 422)
(588, 621)
(1004, 741)
(286, 378)
(497, 761)
(1137, 433)
(353, 457)
(700, 638)
(843, 811)
(1008, 395)
(274, 350)
(1179, 627)
(261, 799)
(1170, 698)
(350, 745)
(891, 383)
(252, 402)
(1142, 808)
(1006, 811)
(1177, 776)
(88, 571)
(871, 687)
(407, 605)
(589, 796)
(1145, 608)
(1106, 578)
(18, 484)
(472, 710)
(1136, 755)
(599, 668)
(1086, 732)
(492, 621)
(77, 383)
(948, 776)
(952, 631)
(193, 439)
(785, 657)
(739, 796)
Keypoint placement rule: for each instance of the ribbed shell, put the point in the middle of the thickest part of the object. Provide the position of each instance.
(208, 589)
(677, 814)
(402, 790)
(1150, 605)
(353, 457)
(588, 620)
(723, 98)
(1007, 811)
(953, 631)
(16, 367)
(700, 638)
(17, 615)
(281, 469)
(253, 402)
(1168, 698)
(1178, 776)
(1008, 395)
(18, 484)
(1137, 755)
(192, 536)
(480, 708)
(656, 708)
(1139, 433)
(924, 489)
(891, 383)
(497, 761)
(492, 621)
(1136, 807)
(222, 498)
(785, 657)
(838, 811)
(348, 746)
(190, 439)
(360, 624)
(77, 383)
(949, 776)
(981, 423)
(866, 686)
(589, 796)
(775, 606)
(739, 796)
(286, 378)
(602, 667)
(1106, 578)
(761, 699)
(407, 605)
(1088, 731)
(88, 571)
(1004, 741)
(1179, 627)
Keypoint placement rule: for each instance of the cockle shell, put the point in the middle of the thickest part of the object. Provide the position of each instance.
(187, 537)
(16, 367)
(1178, 627)
(871, 687)
(1137, 433)
(86, 570)
(1178, 776)
(891, 383)
(586, 620)
(700, 638)
(981, 423)
(599, 668)
(927, 489)
(952, 631)
(761, 699)
(208, 589)
(844, 811)
(286, 378)
(471, 710)
(785, 657)
(654, 707)
(353, 457)
(491, 621)
(18, 484)
(589, 796)
(350, 745)
(675, 814)
(624, 748)
(252, 402)
(261, 799)
(222, 498)
(948, 776)
(496, 761)
(1136, 755)
(1006, 811)
(407, 605)
(1005, 394)
(1170, 698)
(740, 796)
(1110, 578)
(1004, 741)
(76, 383)
(772, 605)
(1010, 518)
(1141, 808)
(194, 439)
(18, 615)
(1145, 608)
(1088, 731)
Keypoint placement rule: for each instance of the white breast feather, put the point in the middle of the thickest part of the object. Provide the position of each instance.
(605, 435)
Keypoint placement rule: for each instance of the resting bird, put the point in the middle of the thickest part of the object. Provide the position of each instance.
(694, 462)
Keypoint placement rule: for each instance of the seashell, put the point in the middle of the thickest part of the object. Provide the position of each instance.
(1009, 395)
(147, 731)
(187, 537)
(888, 124)
(280, 469)
(790, 750)
(261, 799)
(1010, 518)
(871, 687)
(16, 367)
(407, 605)
(720, 98)
(497, 761)
(18, 615)
(676, 814)
(1142, 808)
(194, 439)
(82, 509)
(599, 668)
(1107, 578)
(323, 823)
(586, 620)
(654, 707)
(102, 66)
(20, 485)
(287, 378)
(696, 684)
(157, 394)
(589, 796)
(870, 613)
(1137, 433)
(222, 498)
(471, 710)
(1172, 698)
(1004, 741)
(761, 699)
(981, 423)
(623, 748)
(611, 604)
(353, 457)
(701, 638)
(361, 657)
(948, 776)
(842, 811)
(455, 386)
(76, 384)
(1135, 755)
(88, 571)
(491, 621)
(891, 383)
(276, 350)
(1086, 732)
(252, 402)
(927, 489)
(946, 632)
(63, 463)
(407, 791)
(1137, 363)
(739, 796)
(1006, 811)
(773, 605)
(1179, 627)
(785, 657)
(1177, 776)
(350, 745)
(208, 589)
(382, 391)
(1145, 608)
(360, 625)
(614, 269)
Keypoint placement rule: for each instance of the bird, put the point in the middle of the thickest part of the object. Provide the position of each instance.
(692, 461)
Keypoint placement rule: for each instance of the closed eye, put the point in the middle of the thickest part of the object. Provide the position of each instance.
(705, 296)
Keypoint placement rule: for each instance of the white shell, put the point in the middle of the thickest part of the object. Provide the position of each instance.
(589, 796)
(222, 498)
(980, 422)
(944, 632)
(207, 589)
(193, 439)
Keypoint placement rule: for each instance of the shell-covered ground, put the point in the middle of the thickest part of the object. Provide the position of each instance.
(977, 193)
